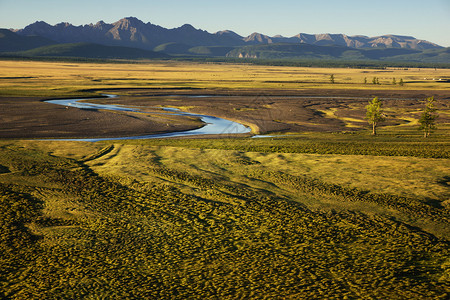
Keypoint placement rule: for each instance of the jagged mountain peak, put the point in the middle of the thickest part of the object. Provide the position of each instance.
(228, 33)
(39, 24)
(132, 32)
(129, 22)
(100, 24)
(64, 24)
(258, 37)
(187, 26)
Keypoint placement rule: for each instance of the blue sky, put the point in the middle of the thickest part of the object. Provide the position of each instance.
(423, 19)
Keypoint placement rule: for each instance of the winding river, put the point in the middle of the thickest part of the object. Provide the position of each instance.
(213, 125)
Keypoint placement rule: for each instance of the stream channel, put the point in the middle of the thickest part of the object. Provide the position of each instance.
(213, 125)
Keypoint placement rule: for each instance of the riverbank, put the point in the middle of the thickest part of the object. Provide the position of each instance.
(212, 126)
(30, 117)
(265, 111)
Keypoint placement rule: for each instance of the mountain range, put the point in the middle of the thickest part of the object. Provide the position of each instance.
(135, 33)
(186, 40)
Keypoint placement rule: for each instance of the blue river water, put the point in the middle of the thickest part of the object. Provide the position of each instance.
(213, 125)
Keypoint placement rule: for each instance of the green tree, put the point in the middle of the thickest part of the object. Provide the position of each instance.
(374, 80)
(365, 80)
(394, 82)
(332, 78)
(428, 118)
(400, 83)
(374, 114)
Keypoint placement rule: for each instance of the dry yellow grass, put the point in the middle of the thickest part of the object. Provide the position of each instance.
(23, 78)
(419, 178)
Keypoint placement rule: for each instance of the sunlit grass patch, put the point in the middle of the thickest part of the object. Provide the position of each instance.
(134, 219)
(19, 78)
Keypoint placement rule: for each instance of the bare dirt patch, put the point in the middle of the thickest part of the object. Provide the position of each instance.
(33, 118)
(266, 110)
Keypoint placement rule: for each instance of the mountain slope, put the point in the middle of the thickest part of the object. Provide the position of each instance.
(89, 50)
(359, 42)
(130, 32)
(135, 36)
(10, 41)
(210, 50)
(173, 48)
(306, 51)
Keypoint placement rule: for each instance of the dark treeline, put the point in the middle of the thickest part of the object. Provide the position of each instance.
(369, 64)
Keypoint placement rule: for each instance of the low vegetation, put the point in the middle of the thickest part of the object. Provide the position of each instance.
(60, 79)
(140, 220)
(428, 118)
(342, 144)
(374, 114)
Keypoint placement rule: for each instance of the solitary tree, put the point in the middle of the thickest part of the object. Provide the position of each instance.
(374, 114)
(365, 80)
(400, 83)
(332, 78)
(374, 80)
(394, 82)
(428, 117)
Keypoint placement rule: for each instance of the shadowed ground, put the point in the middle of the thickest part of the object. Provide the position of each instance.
(264, 110)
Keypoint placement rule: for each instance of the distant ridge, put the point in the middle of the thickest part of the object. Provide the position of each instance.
(129, 32)
(130, 38)
(132, 32)
(9, 41)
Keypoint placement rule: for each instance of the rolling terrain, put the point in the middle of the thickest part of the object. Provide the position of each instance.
(320, 210)
(156, 221)
(89, 50)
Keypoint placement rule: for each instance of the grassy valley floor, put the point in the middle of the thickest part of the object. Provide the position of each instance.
(321, 210)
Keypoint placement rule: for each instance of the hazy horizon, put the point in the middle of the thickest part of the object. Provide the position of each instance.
(428, 20)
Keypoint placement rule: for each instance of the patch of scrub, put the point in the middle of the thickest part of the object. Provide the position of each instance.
(4, 170)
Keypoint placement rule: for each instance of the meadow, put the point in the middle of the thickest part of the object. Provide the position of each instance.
(302, 215)
(55, 79)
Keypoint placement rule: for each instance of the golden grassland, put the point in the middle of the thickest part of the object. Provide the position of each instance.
(420, 178)
(20, 78)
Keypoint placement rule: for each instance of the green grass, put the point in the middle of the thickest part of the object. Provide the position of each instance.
(387, 143)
